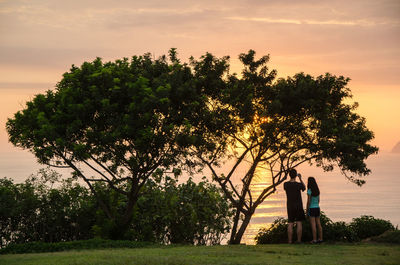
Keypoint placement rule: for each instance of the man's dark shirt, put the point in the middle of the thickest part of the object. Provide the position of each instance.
(293, 194)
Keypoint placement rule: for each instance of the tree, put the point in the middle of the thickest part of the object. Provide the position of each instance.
(280, 125)
(118, 122)
(125, 121)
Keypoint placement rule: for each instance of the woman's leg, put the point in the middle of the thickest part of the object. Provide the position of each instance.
(313, 228)
(318, 221)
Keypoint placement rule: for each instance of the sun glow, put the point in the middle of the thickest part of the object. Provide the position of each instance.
(265, 215)
(261, 119)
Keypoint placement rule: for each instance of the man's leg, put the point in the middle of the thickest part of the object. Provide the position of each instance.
(299, 226)
(290, 232)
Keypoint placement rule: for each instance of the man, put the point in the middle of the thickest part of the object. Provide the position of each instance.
(294, 204)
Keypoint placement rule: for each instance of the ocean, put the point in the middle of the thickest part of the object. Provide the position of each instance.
(341, 200)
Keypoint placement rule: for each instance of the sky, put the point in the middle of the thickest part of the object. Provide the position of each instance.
(360, 39)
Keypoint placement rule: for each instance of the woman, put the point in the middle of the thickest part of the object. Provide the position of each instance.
(313, 210)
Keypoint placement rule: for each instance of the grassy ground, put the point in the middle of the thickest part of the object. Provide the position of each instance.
(264, 254)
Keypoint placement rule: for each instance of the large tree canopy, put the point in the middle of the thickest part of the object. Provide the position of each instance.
(280, 125)
(120, 122)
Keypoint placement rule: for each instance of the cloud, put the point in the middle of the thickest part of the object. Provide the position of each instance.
(98, 17)
(314, 22)
(51, 33)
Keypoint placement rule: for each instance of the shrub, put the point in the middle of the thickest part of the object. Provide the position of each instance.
(368, 226)
(359, 228)
(276, 233)
(392, 237)
(37, 211)
(169, 212)
(339, 231)
(196, 213)
(331, 231)
(166, 212)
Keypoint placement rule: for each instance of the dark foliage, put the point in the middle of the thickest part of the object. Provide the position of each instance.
(392, 237)
(118, 122)
(279, 125)
(275, 234)
(35, 211)
(47, 210)
(368, 226)
(360, 228)
(169, 212)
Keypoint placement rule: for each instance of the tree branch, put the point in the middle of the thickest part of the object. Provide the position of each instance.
(104, 206)
(110, 183)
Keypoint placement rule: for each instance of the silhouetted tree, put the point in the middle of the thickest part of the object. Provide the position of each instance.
(125, 120)
(281, 125)
(118, 122)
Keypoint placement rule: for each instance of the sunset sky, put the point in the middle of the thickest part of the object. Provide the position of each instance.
(41, 39)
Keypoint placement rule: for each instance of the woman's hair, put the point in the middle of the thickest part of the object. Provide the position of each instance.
(312, 184)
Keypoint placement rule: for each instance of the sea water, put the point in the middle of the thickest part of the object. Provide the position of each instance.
(340, 199)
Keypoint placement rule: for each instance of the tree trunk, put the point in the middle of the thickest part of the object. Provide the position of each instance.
(234, 227)
(122, 225)
(237, 237)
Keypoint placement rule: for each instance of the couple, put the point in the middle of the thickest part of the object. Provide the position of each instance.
(295, 206)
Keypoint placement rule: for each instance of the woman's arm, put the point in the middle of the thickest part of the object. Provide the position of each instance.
(308, 203)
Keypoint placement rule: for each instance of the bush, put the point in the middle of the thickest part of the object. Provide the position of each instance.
(359, 228)
(276, 233)
(331, 231)
(168, 212)
(196, 213)
(368, 226)
(392, 237)
(339, 231)
(37, 211)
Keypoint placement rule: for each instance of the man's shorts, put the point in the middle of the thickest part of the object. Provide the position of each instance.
(295, 214)
(314, 212)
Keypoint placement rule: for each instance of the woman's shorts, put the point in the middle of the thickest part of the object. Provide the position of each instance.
(314, 212)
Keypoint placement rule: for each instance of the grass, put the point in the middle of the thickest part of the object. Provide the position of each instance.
(365, 253)
(95, 243)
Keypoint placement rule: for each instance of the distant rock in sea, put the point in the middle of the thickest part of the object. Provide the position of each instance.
(396, 148)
